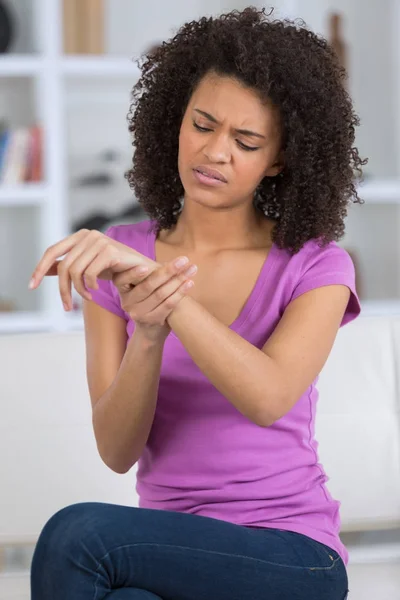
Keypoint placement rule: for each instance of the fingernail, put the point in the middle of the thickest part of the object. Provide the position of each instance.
(142, 270)
(65, 305)
(180, 262)
(31, 284)
(191, 271)
(189, 284)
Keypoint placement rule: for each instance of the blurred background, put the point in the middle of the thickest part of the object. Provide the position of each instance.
(66, 71)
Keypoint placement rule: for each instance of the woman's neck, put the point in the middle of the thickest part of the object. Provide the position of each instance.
(222, 230)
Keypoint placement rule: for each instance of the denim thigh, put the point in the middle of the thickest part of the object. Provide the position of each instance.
(89, 551)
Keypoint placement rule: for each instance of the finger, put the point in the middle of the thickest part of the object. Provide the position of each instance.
(162, 312)
(64, 287)
(104, 261)
(71, 268)
(127, 279)
(161, 294)
(54, 252)
(109, 273)
(120, 267)
(159, 277)
(82, 266)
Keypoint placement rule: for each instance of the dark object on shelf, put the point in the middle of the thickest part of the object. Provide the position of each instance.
(95, 221)
(100, 221)
(103, 174)
(109, 155)
(6, 28)
(336, 38)
(134, 211)
(94, 180)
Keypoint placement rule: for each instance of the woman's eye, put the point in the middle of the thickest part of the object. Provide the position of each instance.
(200, 128)
(247, 148)
(239, 143)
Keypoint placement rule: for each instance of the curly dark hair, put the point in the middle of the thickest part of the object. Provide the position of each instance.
(283, 61)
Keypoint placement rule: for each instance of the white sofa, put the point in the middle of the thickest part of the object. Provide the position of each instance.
(49, 456)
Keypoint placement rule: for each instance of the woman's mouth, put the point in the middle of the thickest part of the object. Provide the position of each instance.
(207, 176)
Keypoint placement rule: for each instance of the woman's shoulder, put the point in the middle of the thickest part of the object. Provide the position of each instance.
(314, 255)
(317, 265)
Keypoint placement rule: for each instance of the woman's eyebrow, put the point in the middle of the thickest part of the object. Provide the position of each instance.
(214, 120)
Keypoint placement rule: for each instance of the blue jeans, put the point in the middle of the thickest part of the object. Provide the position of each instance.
(97, 551)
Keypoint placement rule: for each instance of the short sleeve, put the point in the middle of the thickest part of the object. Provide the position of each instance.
(107, 295)
(329, 266)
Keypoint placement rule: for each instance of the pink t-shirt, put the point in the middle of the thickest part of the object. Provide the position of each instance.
(203, 456)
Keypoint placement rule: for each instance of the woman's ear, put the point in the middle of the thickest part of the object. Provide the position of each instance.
(277, 167)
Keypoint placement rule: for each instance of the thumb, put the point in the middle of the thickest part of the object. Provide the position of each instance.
(128, 279)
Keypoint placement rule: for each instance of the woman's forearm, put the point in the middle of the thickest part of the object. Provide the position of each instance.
(242, 373)
(123, 416)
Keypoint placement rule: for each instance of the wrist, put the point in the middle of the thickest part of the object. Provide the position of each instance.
(178, 309)
(151, 337)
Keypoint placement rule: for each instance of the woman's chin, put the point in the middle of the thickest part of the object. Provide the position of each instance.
(207, 199)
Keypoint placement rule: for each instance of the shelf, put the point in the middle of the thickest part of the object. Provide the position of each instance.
(380, 191)
(99, 66)
(20, 65)
(79, 66)
(27, 194)
(23, 322)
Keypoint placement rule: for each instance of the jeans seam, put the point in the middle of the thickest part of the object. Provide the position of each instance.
(251, 558)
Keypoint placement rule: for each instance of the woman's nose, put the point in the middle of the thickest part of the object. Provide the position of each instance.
(217, 149)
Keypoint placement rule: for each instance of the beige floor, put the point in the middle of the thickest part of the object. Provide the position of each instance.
(367, 582)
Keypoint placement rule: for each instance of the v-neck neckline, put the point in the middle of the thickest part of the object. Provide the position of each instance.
(255, 292)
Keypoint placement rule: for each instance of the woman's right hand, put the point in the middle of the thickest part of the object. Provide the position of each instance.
(88, 255)
(150, 296)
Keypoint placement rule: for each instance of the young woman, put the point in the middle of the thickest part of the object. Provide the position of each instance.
(245, 164)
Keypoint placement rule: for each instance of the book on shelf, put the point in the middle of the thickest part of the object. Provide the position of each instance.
(21, 155)
(72, 26)
(83, 26)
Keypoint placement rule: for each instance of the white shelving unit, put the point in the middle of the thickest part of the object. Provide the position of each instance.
(29, 194)
(51, 70)
(20, 65)
(52, 75)
(80, 66)
(103, 66)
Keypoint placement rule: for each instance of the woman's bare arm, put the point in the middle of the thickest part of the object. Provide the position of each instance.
(123, 384)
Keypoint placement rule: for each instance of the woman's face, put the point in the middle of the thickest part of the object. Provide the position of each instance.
(229, 141)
